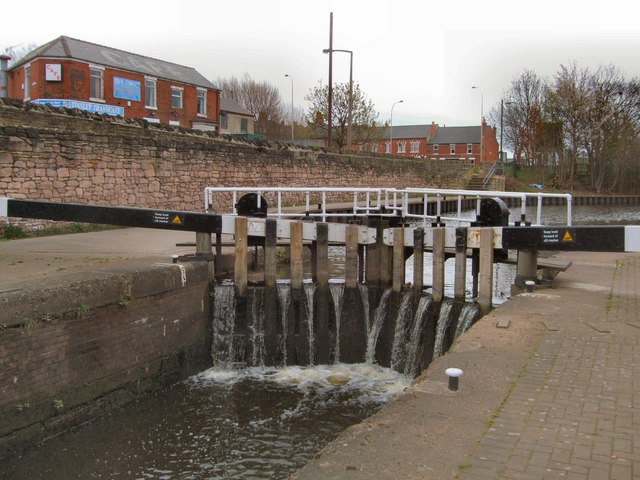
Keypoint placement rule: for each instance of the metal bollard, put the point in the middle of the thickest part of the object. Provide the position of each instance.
(529, 284)
(454, 374)
(174, 258)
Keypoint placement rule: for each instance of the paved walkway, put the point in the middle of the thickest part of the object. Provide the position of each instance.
(554, 395)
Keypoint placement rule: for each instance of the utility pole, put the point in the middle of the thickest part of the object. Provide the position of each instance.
(329, 144)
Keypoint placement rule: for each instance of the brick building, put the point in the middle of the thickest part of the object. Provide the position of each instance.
(438, 143)
(78, 74)
(235, 119)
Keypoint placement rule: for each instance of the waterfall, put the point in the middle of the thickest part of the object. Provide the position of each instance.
(284, 297)
(364, 295)
(309, 290)
(441, 327)
(337, 292)
(412, 365)
(467, 317)
(402, 333)
(224, 318)
(380, 313)
(257, 326)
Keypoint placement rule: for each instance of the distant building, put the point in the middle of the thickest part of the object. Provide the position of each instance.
(437, 143)
(235, 119)
(78, 74)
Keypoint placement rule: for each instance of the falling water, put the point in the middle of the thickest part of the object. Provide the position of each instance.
(257, 327)
(379, 315)
(441, 327)
(309, 290)
(412, 365)
(284, 296)
(402, 333)
(364, 295)
(337, 292)
(224, 319)
(468, 315)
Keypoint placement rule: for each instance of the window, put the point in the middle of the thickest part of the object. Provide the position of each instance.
(374, 147)
(402, 147)
(27, 82)
(436, 149)
(415, 146)
(150, 93)
(469, 148)
(387, 147)
(224, 120)
(244, 125)
(97, 83)
(176, 97)
(202, 102)
(452, 149)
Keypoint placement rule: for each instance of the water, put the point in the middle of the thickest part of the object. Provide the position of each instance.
(337, 293)
(411, 366)
(444, 319)
(257, 423)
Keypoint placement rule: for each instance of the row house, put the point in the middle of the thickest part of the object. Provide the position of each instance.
(437, 143)
(73, 73)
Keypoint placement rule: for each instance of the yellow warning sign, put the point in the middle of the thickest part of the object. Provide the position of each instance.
(567, 237)
(176, 220)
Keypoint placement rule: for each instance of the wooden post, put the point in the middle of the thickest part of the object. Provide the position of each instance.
(351, 263)
(361, 263)
(460, 284)
(527, 268)
(475, 271)
(373, 260)
(297, 272)
(270, 252)
(218, 259)
(322, 255)
(438, 264)
(485, 295)
(203, 244)
(418, 260)
(240, 269)
(398, 259)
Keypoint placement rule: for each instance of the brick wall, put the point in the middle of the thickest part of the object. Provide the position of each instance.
(50, 155)
(69, 352)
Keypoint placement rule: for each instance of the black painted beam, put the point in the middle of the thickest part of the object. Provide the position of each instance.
(586, 239)
(120, 216)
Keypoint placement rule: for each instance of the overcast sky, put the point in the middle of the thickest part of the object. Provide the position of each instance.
(426, 53)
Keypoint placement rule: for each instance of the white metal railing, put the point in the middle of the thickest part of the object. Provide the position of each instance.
(372, 201)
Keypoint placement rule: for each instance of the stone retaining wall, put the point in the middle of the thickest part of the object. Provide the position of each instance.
(74, 157)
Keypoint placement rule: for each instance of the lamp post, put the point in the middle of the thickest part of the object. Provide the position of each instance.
(291, 78)
(326, 50)
(391, 126)
(481, 121)
(502, 104)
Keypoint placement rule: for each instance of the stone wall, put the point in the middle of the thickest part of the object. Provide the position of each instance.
(74, 350)
(74, 157)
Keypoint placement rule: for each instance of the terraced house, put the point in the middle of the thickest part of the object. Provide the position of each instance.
(438, 143)
(77, 74)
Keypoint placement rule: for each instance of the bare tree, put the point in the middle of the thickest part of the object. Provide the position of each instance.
(363, 128)
(17, 52)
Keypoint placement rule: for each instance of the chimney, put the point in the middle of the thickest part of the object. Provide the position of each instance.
(434, 127)
(4, 64)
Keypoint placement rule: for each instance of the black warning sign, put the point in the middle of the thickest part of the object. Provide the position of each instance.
(161, 217)
(557, 235)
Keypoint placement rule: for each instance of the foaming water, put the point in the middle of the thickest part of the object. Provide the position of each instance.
(251, 423)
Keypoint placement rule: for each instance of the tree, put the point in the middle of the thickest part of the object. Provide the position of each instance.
(261, 98)
(363, 128)
(16, 52)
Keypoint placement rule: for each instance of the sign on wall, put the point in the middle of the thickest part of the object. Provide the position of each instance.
(53, 72)
(100, 108)
(126, 89)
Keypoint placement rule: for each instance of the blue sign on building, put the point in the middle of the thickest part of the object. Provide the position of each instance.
(126, 89)
(87, 106)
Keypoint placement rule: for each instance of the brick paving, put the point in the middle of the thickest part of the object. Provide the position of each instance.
(574, 411)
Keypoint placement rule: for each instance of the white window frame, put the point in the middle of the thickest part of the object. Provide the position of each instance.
(452, 149)
(199, 92)
(154, 82)
(436, 149)
(100, 97)
(180, 91)
(402, 147)
(27, 81)
(387, 147)
(415, 146)
(469, 148)
(374, 148)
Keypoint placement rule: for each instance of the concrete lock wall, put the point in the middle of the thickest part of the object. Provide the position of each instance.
(72, 351)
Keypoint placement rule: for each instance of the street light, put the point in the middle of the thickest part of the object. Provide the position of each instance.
(502, 104)
(391, 126)
(327, 50)
(291, 78)
(481, 121)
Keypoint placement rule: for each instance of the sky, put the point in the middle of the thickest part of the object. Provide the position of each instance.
(427, 54)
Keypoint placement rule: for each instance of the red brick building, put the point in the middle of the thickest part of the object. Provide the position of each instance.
(436, 142)
(77, 74)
